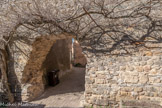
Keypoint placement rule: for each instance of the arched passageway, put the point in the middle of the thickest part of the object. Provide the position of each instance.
(48, 55)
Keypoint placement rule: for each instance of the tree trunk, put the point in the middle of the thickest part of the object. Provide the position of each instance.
(4, 88)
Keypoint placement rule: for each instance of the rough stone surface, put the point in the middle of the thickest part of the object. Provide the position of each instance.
(135, 77)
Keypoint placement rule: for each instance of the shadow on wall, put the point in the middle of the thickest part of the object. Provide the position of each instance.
(122, 47)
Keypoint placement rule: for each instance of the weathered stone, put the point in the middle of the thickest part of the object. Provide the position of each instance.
(147, 68)
(127, 89)
(157, 80)
(139, 68)
(150, 62)
(143, 79)
(123, 93)
(151, 79)
(99, 81)
(138, 89)
(151, 89)
(101, 76)
(122, 68)
(129, 68)
(112, 81)
(131, 79)
(143, 63)
(153, 72)
(144, 98)
(145, 58)
(134, 94)
(148, 53)
(141, 93)
(89, 80)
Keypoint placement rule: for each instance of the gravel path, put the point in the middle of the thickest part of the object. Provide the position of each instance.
(68, 93)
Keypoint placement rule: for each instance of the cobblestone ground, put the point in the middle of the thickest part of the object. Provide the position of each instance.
(68, 93)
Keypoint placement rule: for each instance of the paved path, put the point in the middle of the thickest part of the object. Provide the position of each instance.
(68, 93)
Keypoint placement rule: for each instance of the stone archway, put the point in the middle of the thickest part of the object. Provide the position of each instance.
(43, 59)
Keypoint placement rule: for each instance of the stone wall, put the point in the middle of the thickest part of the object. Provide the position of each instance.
(26, 66)
(39, 63)
(113, 78)
(110, 78)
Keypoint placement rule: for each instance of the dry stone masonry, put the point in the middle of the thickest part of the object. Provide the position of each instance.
(111, 79)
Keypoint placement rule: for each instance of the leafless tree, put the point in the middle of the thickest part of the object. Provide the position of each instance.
(100, 24)
(91, 21)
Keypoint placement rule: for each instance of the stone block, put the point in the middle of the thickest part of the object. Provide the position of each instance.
(127, 89)
(139, 68)
(123, 93)
(99, 81)
(157, 80)
(143, 79)
(138, 89)
(151, 79)
(129, 68)
(148, 53)
(143, 63)
(150, 62)
(144, 98)
(101, 76)
(153, 72)
(130, 79)
(103, 102)
(122, 68)
(147, 68)
(89, 80)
